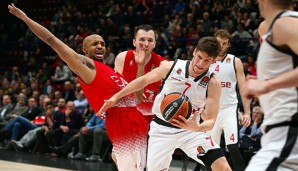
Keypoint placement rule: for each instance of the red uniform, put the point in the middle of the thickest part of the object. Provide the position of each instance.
(125, 125)
(150, 91)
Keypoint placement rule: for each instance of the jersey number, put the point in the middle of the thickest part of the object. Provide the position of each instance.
(188, 86)
(209, 138)
(217, 68)
(232, 138)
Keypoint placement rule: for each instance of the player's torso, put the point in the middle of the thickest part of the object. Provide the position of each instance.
(106, 83)
(226, 73)
(279, 105)
(151, 90)
(178, 80)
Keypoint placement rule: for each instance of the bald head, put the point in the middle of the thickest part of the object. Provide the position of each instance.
(94, 47)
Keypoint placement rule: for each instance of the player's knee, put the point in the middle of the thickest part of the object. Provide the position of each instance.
(221, 164)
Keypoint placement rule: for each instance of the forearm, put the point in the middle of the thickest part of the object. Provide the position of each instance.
(140, 72)
(288, 79)
(133, 86)
(246, 104)
(207, 125)
(40, 31)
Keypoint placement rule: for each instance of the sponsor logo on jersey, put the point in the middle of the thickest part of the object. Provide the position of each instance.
(228, 60)
(152, 67)
(179, 71)
(130, 63)
(201, 150)
(204, 81)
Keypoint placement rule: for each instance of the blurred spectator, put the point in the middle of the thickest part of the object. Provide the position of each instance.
(6, 108)
(14, 74)
(62, 73)
(69, 92)
(81, 102)
(19, 109)
(95, 131)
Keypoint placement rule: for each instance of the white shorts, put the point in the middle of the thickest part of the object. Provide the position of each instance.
(164, 140)
(279, 150)
(226, 121)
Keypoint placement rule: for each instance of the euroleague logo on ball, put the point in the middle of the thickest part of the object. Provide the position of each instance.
(175, 104)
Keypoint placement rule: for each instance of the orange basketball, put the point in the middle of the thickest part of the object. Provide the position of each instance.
(175, 104)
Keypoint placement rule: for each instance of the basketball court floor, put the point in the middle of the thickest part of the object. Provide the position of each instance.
(24, 161)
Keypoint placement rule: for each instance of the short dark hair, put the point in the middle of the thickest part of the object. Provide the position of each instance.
(209, 45)
(145, 27)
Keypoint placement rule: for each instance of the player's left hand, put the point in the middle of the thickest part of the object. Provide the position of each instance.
(16, 11)
(140, 55)
(246, 120)
(183, 123)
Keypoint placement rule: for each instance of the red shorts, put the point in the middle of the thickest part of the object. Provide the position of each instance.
(127, 128)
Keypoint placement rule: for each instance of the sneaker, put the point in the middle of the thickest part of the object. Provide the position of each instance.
(16, 145)
(94, 158)
(79, 156)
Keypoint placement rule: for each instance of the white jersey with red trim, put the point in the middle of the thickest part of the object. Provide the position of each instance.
(179, 80)
(226, 72)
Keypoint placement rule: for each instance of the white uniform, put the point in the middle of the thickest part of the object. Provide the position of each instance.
(280, 126)
(227, 117)
(164, 138)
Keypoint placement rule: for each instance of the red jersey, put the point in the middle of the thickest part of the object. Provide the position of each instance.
(150, 91)
(106, 83)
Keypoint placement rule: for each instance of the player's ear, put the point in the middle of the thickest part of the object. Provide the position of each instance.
(134, 42)
(84, 49)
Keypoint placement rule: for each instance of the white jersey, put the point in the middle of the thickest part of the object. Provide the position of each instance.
(226, 72)
(179, 80)
(279, 105)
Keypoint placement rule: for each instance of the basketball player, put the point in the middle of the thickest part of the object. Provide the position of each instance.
(98, 81)
(229, 71)
(193, 79)
(277, 87)
(132, 66)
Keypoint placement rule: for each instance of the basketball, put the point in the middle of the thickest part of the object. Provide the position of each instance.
(175, 104)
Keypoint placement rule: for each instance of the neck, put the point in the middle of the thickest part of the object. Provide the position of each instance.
(271, 14)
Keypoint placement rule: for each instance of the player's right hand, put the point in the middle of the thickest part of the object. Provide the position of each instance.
(107, 104)
(16, 11)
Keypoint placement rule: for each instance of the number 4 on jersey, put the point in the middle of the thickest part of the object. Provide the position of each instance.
(217, 68)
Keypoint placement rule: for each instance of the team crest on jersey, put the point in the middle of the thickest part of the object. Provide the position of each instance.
(201, 150)
(179, 71)
(152, 67)
(130, 63)
(204, 81)
(228, 60)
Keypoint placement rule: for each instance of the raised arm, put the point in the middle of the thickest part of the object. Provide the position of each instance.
(137, 84)
(74, 61)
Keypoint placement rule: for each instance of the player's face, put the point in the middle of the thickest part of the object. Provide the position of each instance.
(96, 48)
(145, 40)
(224, 44)
(200, 62)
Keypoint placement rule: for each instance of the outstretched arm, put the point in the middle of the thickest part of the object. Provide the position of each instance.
(137, 84)
(76, 62)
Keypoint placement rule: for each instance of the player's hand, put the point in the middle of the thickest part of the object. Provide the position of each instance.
(107, 104)
(246, 120)
(16, 11)
(183, 123)
(253, 87)
(140, 56)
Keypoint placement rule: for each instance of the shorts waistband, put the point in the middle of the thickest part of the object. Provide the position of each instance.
(286, 123)
(164, 123)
